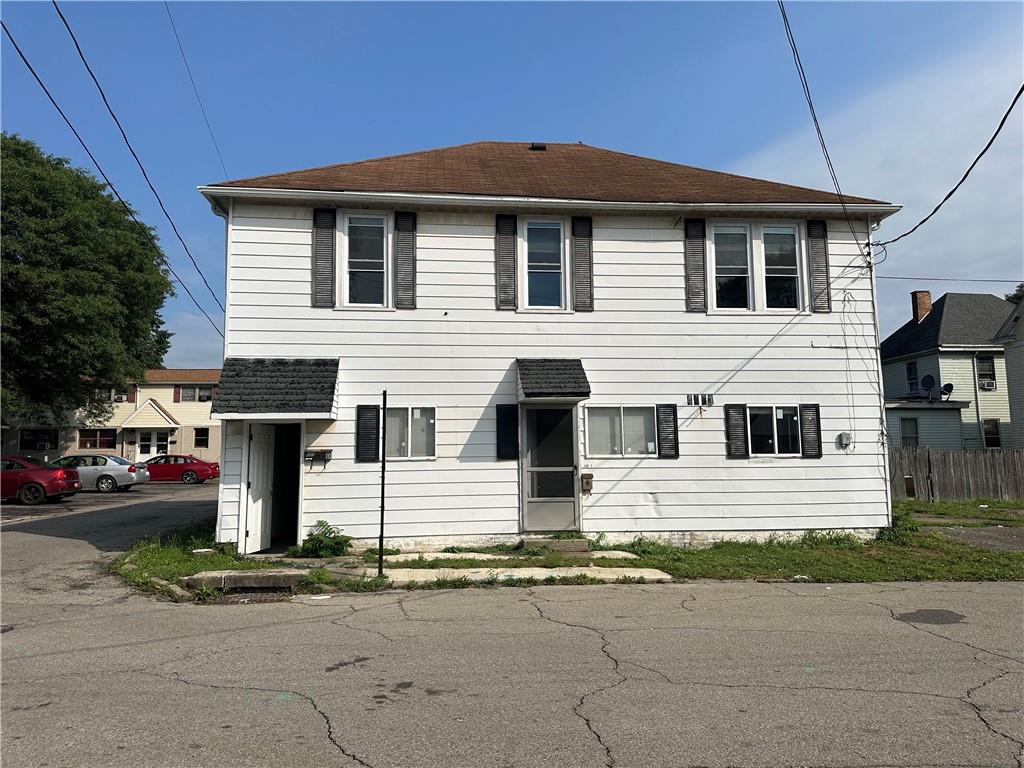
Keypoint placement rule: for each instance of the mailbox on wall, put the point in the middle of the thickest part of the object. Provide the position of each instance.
(318, 454)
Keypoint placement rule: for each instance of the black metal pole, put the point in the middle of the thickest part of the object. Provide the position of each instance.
(383, 469)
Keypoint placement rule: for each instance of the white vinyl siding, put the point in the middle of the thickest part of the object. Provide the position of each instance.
(957, 368)
(895, 379)
(457, 353)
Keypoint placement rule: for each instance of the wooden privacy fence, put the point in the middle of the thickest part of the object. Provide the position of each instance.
(932, 475)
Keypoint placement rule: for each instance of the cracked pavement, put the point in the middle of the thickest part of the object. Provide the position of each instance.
(674, 675)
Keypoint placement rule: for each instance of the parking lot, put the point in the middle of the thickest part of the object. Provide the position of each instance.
(93, 501)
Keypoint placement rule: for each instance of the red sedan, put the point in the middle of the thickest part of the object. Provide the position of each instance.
(31, 481)
(186, 469)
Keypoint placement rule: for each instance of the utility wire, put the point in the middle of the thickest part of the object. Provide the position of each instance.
(946, 279)
(814, 117)
(195, 90)
(131, 149)
(967, 173)
(127, 208)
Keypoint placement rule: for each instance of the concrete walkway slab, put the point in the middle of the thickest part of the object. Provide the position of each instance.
(406, 557)
(403, 576)
(257, 578)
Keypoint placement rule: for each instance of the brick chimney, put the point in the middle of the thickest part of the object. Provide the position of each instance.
(920, 304)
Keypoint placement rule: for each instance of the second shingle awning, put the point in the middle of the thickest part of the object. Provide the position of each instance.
(277, 387)
(552, 380)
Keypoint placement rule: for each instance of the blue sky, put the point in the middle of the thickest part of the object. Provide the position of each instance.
(907, 92)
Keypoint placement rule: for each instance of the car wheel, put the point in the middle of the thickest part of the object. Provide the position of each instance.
(106, 484)
(32, 493)
(189, 477)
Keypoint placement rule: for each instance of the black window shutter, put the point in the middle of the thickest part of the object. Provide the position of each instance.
(810, 431)
(668, 431)
(817, 257)
(505, 236)
(507, 429)
(695, 264)
(405, 260)
(367, 433)
(323, 256)
(583, 264)
(736, 446)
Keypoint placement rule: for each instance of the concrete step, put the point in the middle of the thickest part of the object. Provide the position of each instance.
(257, 578)
(558, 545)
(409, 556)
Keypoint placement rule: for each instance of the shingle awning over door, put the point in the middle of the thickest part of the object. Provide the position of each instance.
(276, 387)
(550, 379)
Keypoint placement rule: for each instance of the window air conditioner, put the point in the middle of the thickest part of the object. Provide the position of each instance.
(987, 384)
(120, 398)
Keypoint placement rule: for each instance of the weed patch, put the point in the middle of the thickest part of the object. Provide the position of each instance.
(323, 540)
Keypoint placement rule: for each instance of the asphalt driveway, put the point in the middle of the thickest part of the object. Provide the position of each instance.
(703, 674)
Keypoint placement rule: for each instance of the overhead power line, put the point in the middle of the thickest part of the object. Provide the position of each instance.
(134, 154)
(814, 117)
(946, 279)
(106, 178)
(195, 90)
(967, 173)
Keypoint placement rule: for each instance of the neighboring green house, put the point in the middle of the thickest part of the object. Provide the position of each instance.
(1011, 336)
(949, 342)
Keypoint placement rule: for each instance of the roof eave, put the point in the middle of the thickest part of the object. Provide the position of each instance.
(878, 211)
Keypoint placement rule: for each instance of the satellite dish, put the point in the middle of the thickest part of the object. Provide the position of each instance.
(947, 390)
(928, 382)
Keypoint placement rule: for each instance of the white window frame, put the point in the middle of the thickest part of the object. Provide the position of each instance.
(761, 265)
(524, 259)
(917, 376)
(408, 431)
(342, 243)
(622, 422)
(712, 286)
(195, 394)
(775, 432)
(200, 447)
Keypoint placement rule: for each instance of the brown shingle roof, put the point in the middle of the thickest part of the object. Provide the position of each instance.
(565, 171)
(182, 375)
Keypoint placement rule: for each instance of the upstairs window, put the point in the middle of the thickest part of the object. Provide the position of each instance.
(781, 267)
(732, 267)
(545, 265)
(366, 260)
(205, 394)
(986, 372)
(913, 383)
(188, 394)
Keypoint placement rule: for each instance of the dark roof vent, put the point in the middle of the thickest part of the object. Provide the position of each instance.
(538, 147)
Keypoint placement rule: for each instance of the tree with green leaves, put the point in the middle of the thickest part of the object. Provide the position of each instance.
(83, 286)
(1017, 295)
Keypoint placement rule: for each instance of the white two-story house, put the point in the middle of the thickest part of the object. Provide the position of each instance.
(571, 339)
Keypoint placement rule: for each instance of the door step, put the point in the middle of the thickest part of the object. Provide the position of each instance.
(557, 545)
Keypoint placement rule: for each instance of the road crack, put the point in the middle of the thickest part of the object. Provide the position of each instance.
(616, 668)
(331, 736)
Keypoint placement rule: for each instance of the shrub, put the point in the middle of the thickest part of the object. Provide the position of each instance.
(317, 576)
(323, 540)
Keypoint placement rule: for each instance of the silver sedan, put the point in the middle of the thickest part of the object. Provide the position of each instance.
(106, 472)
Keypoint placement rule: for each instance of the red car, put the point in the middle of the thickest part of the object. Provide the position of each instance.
(187, 469)
(31, 481)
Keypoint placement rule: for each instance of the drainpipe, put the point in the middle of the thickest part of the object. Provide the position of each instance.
(977, 401)
(882, 428)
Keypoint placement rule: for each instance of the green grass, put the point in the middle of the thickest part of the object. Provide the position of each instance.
(170, 557)
(901, 553)
(997, 512)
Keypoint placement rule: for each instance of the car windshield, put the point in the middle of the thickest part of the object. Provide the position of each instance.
(119, 460)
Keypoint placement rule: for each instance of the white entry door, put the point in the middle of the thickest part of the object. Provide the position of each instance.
(152, 443)
(260, 487)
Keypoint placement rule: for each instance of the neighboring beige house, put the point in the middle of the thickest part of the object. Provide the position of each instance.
(949, 342)
(167, 412)
(1011, 336)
